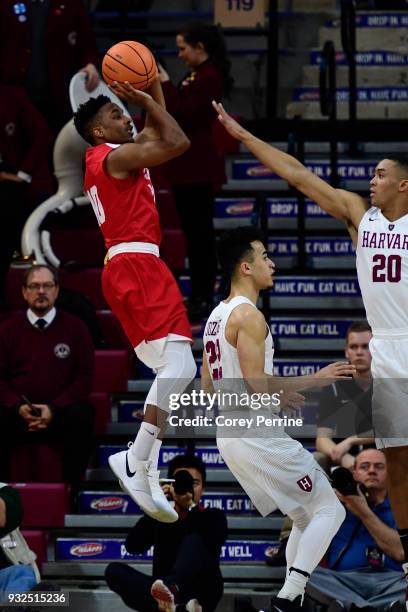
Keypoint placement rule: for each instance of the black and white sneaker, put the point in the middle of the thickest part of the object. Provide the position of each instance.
(142, 484)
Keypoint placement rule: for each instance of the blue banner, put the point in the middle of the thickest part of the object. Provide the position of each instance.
(303, 367)
(108, 502)
(315, 287)
(234, 207)
(309, 328)
(364, 94)
(113, 549)
(366, 58)
(317, 247)
(287, 208)
(278, 208)
(208, 454)
(357, 170)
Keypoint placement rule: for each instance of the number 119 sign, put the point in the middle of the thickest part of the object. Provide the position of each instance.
(239, 13)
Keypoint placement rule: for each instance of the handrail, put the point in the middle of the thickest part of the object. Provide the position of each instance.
(348, 41)
(328, 101)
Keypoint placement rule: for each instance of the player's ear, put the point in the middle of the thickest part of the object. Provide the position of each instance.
(97, 132)
(245, 267)
(403, 186)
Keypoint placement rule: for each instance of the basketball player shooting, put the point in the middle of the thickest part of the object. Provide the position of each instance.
(137, 284)
(380, 234)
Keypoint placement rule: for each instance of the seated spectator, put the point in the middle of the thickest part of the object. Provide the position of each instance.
(364, 558)
(42, 45)
(186, 553)
(18, 570)
(46, 376)
(25, 143)
(344, 416)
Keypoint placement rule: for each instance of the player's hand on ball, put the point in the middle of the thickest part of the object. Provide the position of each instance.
(232, 126)
(125, 91)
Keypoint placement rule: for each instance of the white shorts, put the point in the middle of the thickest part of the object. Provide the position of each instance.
(274, 472)
(151, 353)
(389, 368)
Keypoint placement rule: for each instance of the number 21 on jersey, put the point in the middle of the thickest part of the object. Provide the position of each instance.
(96, 204)
(213, 351)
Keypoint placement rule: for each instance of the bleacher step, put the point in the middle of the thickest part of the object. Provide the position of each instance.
(366, 110)
(367, 76)
(126, 521)
(92, 569)
(367, 39)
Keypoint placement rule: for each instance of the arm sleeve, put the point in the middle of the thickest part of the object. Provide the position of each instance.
(141, 537)
(188, 104)
(81, 386)
(35, 131)
(14, 509)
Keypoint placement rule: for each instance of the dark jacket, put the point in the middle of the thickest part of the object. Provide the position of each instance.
(190, 105)
(51, 366)
(166, 538)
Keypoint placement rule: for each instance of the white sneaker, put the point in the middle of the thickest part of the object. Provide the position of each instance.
(163, 596)
(160, 500)
(137, 484)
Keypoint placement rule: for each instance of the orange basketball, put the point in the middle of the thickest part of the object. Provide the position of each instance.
(129, 61)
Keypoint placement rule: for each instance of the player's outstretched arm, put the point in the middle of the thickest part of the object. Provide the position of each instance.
(168, 141)
(347, 206)
(251, 331)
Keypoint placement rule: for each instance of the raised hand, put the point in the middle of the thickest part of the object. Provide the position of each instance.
(232, 126)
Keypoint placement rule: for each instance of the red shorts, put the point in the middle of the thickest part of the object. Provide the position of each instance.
(143, 294)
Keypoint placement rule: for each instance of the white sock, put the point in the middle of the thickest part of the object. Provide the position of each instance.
(143, 444)
(294, 585)
(154, 453)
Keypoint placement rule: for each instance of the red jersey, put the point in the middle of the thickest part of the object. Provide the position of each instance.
(125, 208)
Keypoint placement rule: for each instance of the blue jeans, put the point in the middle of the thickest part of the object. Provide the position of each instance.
(361, 587)
(16, 579)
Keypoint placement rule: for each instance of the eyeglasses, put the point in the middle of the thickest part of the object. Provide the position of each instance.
(37, 286)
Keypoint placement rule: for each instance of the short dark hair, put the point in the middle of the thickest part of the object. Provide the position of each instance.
(235, 245)
(187, 461)
(84, 118)
(36, 267)
(400, 160)
(357, 327)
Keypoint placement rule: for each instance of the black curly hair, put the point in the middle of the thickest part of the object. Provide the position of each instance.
(86, 116)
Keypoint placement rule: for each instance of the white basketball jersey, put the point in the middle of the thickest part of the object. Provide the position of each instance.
(382, 269)
(222, 357)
